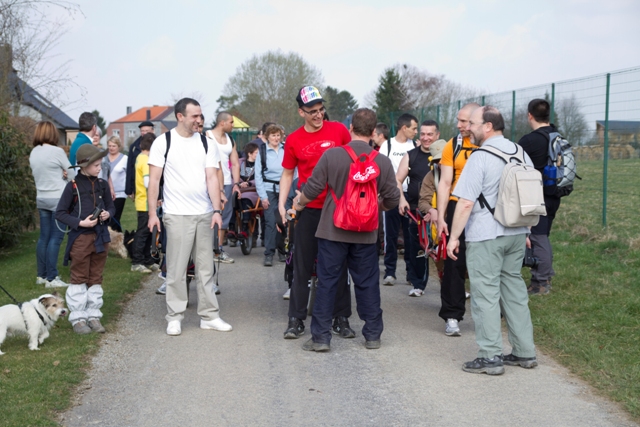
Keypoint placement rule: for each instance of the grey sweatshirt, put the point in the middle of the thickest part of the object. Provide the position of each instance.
(47, 163)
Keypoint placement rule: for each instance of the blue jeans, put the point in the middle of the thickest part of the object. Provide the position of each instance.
(48, 246)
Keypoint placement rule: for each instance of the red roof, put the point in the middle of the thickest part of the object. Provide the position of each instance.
(140, 115)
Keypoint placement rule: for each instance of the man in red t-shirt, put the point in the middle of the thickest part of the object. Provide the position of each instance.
(302, 150)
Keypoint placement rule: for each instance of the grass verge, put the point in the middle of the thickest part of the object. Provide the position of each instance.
(36, 385)
(591, 320)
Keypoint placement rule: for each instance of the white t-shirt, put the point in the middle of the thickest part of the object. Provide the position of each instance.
(225, 152)
(398, 150)
(185, 184)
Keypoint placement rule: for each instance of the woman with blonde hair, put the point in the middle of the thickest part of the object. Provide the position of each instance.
(50, 169)
(118, 164)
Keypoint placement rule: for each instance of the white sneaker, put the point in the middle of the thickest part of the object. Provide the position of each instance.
(415, 292)
(224, 258)
(467, 295)
(55, 283)
(215, 324)
(140, 269)
(173, 328)
(287, 294)
(41, 281)
(153, 267)
(162, 290)
(452, 328)
(388, 281)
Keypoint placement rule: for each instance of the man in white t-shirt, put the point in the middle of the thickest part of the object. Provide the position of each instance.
(191, 205)
(230, 165)
(395, 149)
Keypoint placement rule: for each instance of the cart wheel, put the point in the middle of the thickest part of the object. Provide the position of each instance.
(246, 244)
(313, 285)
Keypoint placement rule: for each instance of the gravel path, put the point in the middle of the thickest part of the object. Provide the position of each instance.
(253, 377)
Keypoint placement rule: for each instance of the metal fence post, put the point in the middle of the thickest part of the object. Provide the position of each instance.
(553, 103)
(605, 154)
(483, 100)
(438, 114)
(392, 126)
(459, 106)
(513, 117)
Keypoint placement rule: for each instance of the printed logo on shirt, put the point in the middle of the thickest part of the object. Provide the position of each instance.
(316, 149)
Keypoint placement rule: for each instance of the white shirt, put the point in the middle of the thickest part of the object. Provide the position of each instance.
(398, 150)
(185, 183)
(225, 152)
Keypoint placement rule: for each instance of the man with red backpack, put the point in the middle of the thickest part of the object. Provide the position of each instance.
(355, 176)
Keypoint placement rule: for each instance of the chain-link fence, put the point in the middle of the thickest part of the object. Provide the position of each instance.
(599, 115)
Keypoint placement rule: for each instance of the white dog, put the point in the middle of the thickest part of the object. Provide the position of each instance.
(33, 318)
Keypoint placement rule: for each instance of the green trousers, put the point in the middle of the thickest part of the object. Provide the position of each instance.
(496, 284)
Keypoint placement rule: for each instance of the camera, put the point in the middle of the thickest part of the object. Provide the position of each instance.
(96, 213)
(529, 260)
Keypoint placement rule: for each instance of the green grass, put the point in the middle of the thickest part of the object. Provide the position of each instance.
(37, 385)
(591, 320)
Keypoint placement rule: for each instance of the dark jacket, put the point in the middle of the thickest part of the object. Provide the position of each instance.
(130, 180)
(93, 192)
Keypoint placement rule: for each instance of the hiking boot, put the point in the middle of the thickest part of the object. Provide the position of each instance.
(140, 269)
(81, 328)
(173, 328)
(525, 362)
(96, 326)
(415, 292)
(481, 365)
(388, 281)
(268, 261)
(295, 329)
(318, 347)
(341, 327)
(372, 344)
(55, 283)
(287, 294)
(282, 257)
(452, 329)
(162, 290)
(537, 289)
(223, 258)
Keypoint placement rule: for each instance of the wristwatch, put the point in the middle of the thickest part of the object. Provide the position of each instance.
(217, 211)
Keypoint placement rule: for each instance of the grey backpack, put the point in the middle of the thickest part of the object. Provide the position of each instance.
(520, 196)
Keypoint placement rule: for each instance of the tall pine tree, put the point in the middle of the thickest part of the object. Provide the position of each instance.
(389, 95)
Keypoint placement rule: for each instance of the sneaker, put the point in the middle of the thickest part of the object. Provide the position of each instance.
(153, 267)
(268, 261)
(481, 365)
(140, 269)
(162, 290)
(287, 294)
(341, 327)
(388, 281)
(467, 295)
(224, 258)
(318, 347)
(216, 290)
(295, 329)
(536, 289)
(162, 275)
(41, 281)
(282, 257)
(525, 362)
(55, 283)
(215, 324)
(173, 328)
(81, 328)
(372, 345)
(96, 326)
(415, 292)
(452, 329)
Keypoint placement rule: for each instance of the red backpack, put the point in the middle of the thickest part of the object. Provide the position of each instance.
(357, 209)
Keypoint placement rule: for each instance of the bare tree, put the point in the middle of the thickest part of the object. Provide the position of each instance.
(32, 31)
(571, 122)
(265, 87)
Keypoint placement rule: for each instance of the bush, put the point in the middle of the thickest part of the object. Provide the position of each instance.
(17, 189)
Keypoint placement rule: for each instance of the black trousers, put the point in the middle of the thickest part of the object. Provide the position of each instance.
(141, 253)
(452, 293)
(305, 254)
(114, 223)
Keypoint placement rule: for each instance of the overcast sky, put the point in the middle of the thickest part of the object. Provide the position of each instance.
(139, 53)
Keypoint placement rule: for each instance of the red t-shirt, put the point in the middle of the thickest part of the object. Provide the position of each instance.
(303, 150)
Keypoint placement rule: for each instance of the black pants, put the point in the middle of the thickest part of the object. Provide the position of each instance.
(141, 253)
(418, 271)
(304, 257)
(392, 223)
(452, 293)
(115, 221)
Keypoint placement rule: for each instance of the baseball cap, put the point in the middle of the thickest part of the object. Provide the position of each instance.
(308, 96)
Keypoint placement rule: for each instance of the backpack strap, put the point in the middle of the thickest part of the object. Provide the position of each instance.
(413, 155)
(263, 162)
(505, 157)
(389, 147)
